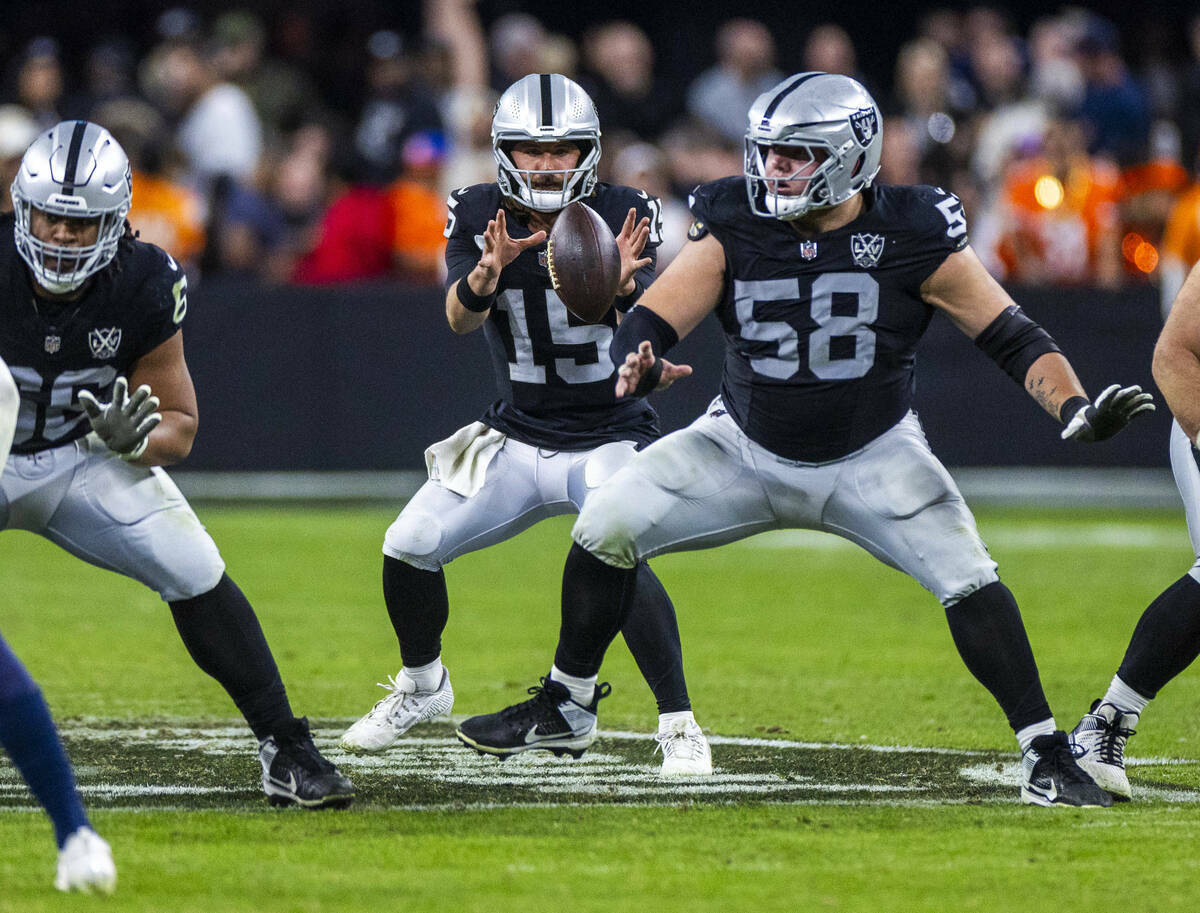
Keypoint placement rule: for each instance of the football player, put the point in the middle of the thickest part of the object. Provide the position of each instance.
(824, 285)
(90, 314)
(1166, 639)
(27, 733)
(557, 430)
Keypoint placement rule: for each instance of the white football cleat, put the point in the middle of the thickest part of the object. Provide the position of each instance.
(685, 750)
(85, 864)
(397, 713)
(1098, 741)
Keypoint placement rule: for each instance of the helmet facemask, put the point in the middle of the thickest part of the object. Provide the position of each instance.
(576, 183)
(74, 170)
(825, 118)
(545, 108)
(63, 268)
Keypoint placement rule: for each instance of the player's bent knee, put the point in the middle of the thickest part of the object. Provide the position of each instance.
(607, 531)
(192, 577)
(415, 538)
(957, 590)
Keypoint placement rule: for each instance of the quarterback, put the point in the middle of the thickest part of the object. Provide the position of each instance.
(557, 430)
(91, 313)
(823, 284)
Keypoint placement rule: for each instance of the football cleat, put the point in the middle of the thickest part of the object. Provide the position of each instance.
(1052, 778)
(550, 721)
(85, 864)
(1098, 741)
(685, 750)
(295, 773)
(402, 708)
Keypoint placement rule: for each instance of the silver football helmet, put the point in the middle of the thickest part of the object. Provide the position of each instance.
(830, 117)
(546, 107)
(75, 169)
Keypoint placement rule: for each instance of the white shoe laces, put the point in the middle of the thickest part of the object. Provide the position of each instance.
(684, 741)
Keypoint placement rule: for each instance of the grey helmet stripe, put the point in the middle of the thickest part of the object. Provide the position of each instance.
(547, 102)
(786, 91)
(69, 175)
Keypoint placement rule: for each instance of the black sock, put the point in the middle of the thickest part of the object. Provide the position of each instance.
(596, 597)
(990, 637)
(223, 636)
(652, 634)
(1166, 639)
(419, 607)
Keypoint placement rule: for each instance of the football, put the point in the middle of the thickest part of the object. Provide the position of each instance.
(584, 263)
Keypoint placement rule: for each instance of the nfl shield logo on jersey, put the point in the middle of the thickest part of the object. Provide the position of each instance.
(104, 343)
(866, 250)
(543, 260)
(52, 344)
(808, 250)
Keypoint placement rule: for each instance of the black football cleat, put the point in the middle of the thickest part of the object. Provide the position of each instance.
(1052, 777)
(295, 773)
(549, 721)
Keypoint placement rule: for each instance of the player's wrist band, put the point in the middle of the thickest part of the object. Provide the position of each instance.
(639, 325)
(1067, 410)
(471, 301)
(1015, 342)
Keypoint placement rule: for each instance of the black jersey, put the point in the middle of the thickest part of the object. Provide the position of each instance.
(555, 376)
(56, 349)
(822, 333)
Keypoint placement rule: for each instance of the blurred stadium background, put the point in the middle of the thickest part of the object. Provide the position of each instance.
(296, 156)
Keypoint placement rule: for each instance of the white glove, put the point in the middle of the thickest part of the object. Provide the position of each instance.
(125, 423)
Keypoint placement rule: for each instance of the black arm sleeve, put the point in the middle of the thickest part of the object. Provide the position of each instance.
(1015, 342)
(638, 325)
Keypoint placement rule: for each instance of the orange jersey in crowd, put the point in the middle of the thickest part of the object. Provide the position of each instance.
(1181, 240)
(1053, 229)
(420, 221)
(169, 215)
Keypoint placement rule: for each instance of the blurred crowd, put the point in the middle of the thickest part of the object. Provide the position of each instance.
(1073, 166)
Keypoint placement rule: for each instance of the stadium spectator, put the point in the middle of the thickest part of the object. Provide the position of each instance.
(1060, 213)
(17, 130)
(1148, 191)
(745, 68)
(419, 209)
(355, 238)
(922, 97)
(630, 97)
(517, 41)
(1114, 107)
(40, 82)
(284, 96)
(109, 73)
(219, 132)
(167, 212)
(397, 107)
(642, 165)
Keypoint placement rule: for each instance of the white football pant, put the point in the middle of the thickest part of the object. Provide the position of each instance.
(113, 514)
(1187, 477)
(709, 484)
(523, 485)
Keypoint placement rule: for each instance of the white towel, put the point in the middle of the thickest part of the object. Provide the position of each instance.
(460, 462)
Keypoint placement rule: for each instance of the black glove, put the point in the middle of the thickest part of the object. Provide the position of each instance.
(1112, 411)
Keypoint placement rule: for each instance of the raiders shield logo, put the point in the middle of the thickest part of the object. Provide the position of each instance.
(808, 250)
(104, 342)
(866, 250)
(864, 124)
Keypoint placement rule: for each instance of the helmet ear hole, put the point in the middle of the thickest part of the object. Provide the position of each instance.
(858, 164)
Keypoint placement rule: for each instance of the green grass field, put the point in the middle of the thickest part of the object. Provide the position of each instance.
(808, 662)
